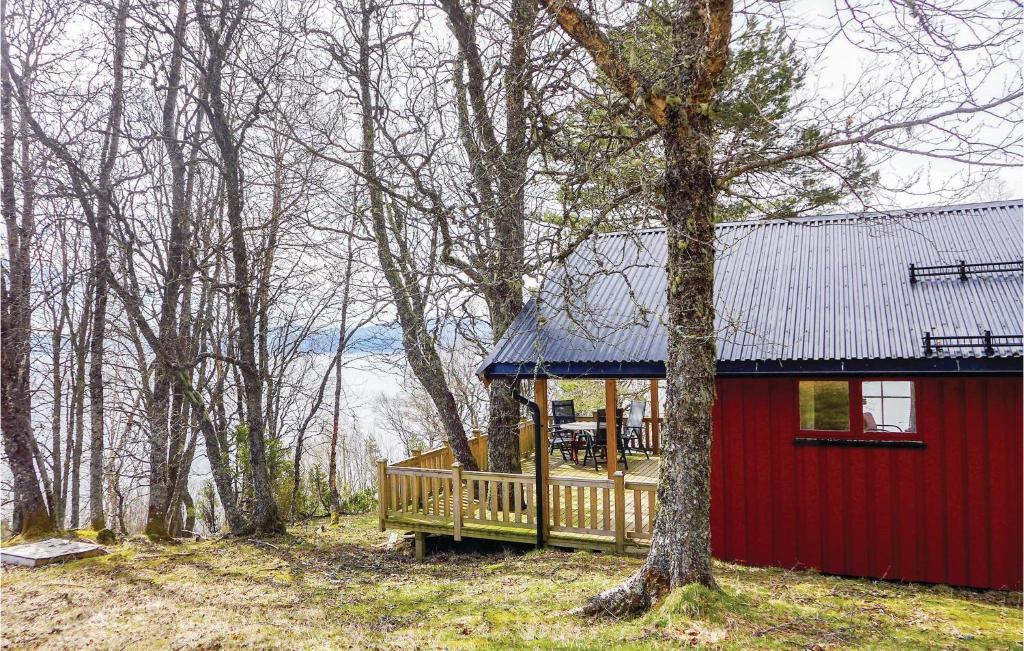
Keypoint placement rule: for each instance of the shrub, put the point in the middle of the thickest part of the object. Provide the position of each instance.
(362, 501)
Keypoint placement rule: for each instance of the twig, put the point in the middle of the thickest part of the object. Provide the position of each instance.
(771, 629)
(264, 544)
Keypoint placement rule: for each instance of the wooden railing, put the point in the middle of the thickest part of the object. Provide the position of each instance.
(580, 511)
(442, 457)
(494, 498)
(643, 509)
(584, 506)
(417, 492)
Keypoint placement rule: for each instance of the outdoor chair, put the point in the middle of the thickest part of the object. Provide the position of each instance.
(597, 445)
(633, 434)
(562, 411)
(871, 425)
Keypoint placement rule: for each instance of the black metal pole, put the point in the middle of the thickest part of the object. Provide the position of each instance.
(538, 448)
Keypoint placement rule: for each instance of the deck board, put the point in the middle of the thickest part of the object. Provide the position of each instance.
(640, 469)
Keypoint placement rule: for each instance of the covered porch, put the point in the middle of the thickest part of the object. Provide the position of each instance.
(608, 508)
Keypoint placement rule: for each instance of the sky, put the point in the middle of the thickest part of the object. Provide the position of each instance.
(837, 69)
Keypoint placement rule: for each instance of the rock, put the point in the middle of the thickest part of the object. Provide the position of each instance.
(397, 542)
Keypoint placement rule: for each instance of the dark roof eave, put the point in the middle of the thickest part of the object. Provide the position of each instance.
(656, 370)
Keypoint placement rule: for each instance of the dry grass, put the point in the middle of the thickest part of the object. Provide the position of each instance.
(341, 589)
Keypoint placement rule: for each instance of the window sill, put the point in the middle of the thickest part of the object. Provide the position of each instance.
(846, 442)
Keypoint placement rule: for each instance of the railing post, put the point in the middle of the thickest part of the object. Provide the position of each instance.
(457, 500)
(382, 492)
(620, 511)
(416, 454)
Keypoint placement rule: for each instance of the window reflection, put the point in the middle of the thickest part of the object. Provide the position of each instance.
(824, 405)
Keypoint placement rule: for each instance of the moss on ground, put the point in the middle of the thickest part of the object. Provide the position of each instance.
(343, 588)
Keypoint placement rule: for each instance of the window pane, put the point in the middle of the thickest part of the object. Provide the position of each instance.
(889, 407)
(894, 389)
(824, 405)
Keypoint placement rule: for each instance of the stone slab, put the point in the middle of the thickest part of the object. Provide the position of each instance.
(53, 550)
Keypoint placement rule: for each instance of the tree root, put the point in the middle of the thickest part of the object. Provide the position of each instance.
(634, 596)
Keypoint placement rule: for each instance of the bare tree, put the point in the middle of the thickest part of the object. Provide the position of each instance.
(389, 224)
(34, 515)
(220, 27)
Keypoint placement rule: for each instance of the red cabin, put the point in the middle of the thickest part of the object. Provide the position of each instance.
(869, 411)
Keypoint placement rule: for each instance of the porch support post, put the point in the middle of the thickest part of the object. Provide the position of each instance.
(420, 540)
(655, 418)
(611, 422)
(540, 454)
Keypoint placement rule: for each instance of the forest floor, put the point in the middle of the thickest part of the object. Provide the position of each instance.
(344, 588)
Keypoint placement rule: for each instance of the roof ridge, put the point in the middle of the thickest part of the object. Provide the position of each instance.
(874, 214)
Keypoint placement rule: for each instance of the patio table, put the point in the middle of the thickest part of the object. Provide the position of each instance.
(580, 426)
(584, 427)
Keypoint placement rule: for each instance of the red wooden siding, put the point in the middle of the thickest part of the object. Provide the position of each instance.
(948, 513)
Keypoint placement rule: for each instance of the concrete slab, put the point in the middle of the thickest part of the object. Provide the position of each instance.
(53, 550)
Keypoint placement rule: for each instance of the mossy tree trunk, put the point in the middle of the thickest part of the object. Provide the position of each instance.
(680, 106)
(498, 155)
(16, 328)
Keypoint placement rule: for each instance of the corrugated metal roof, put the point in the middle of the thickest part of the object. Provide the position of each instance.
(815, 288)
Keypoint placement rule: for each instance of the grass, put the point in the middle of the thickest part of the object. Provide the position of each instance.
(342, 588)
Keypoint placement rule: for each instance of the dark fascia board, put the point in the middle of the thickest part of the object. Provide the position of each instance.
(649, 370)
(918, 366)
(578, 370)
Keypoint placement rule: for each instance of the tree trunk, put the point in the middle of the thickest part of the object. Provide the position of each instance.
(56, 420)
(500, 176)
(101, 271)
(503, 453)
(190, 511)
(681, 542)
(16, 326)
(78, 406)
(332, 462)
(217, 453)
(265, 517)
(400, 272)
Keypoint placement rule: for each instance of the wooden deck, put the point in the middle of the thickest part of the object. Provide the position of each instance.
(640, 468)
(584, 509)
